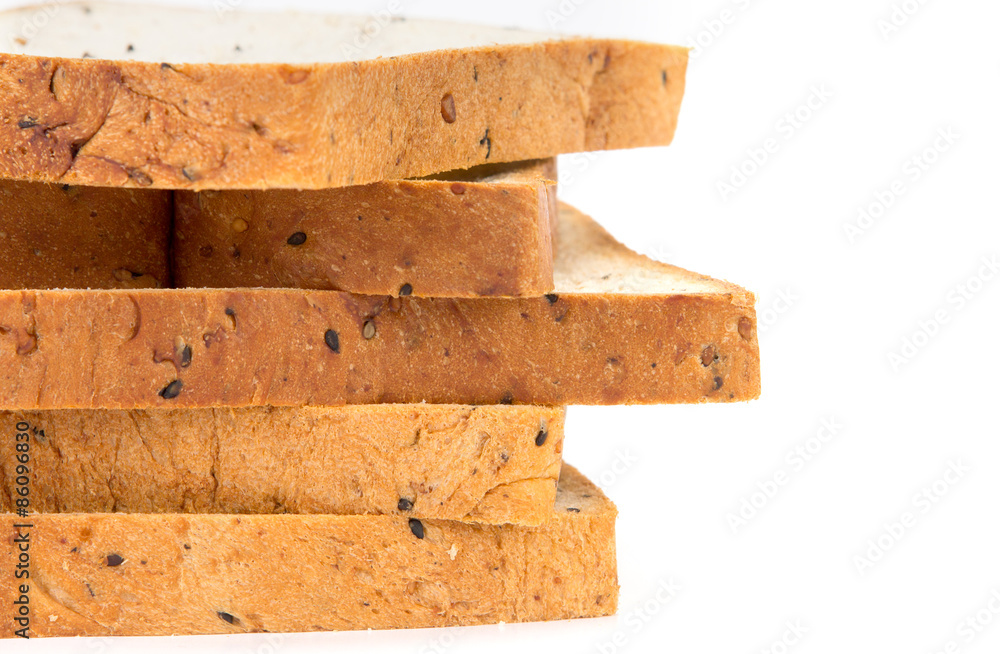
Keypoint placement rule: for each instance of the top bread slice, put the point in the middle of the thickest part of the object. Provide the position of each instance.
(620, 329)
(107, 95)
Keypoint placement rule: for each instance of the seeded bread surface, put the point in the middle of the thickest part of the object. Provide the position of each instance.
(256, 104)
(482, 232)
(620, 329)
(168, 574)
(490, 464)
(59, 236)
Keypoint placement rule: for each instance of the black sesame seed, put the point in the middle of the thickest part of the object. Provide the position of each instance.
(508, 398)
(404, 504)
(332, 340)
(487, 142)
(172, 390)
(543, 435)
(663, 76)
(25, 123)
(417, 528)
(185, 356)
(114, 560)
(573, 509)
(717, 383)
(405, 289)
(298, 238)
(227, 617)
(186, 546)
(130, 48)
(552, 298)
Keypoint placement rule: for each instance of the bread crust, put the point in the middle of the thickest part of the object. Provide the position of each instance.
(485, 232)
(61, 236)
(157, 575)
(489, 464)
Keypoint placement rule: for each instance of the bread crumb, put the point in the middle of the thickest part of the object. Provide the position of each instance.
(453, 552)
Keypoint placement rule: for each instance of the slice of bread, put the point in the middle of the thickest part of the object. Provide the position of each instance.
(491, 464)
(486, 231)
(110, 95)
(60, 236)
(158, 575)
(620, 329)
(479, 232)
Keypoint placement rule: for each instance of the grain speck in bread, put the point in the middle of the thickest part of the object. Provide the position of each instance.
(619, 329)
(258, 100)
(149, 575)
(482, 464)
(482, 232)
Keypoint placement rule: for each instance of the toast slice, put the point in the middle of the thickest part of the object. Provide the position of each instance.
(157, 575)
(282, 100)
(489, 464)
(620, 329)
(480, 232)
(60, 236)
(487, 231)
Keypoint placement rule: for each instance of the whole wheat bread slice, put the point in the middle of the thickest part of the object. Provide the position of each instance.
(620, 328)
(111, 95)
(491, 464)
(481, 232)
(152, 575)
(486, 231)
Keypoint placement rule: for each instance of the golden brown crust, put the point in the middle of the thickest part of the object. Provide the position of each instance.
(492, 464)
(59, 236)
(481, 232)
(118, 574)
(133, 123)
(627, 330)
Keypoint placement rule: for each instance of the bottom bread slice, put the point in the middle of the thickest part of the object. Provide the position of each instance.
(492, 464)
(163, 574)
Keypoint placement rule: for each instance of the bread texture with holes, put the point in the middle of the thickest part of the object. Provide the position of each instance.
(286, 100)
(156, 575)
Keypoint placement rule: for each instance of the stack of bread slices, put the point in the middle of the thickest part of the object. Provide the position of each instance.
(291, 316)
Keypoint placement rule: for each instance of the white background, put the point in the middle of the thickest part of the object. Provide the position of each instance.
(831, 312)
